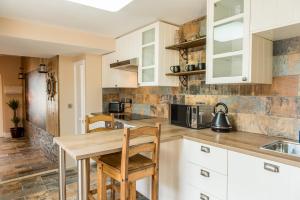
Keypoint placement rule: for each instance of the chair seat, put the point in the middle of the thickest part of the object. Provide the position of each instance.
(135, 163)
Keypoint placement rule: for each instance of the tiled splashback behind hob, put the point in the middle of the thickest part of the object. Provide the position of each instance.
(267, 109)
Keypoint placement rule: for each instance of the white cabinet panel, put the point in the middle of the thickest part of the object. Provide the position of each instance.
(294, 185)
(127, 46)
(205, 155)
(206, 179)
(115, 78)
(169, 173)
(193, 193)
(270, 14)
(262, 14)
(252, 178)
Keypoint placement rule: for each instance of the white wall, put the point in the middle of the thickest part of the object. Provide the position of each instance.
(66, 92)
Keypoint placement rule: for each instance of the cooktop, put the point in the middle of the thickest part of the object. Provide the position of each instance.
(130, 116)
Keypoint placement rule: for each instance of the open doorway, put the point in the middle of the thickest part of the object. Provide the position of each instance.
(29, 154)
(2, 134)
(79, 97)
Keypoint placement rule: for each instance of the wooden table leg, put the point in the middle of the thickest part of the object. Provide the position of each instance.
(62, 174)
(83, 178)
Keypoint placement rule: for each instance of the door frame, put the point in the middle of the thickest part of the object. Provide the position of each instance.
(82, 71)
(2, 132)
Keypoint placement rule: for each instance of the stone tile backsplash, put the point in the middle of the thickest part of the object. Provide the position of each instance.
(266, 109)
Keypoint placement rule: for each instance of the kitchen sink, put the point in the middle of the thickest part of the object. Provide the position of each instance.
(285, 147)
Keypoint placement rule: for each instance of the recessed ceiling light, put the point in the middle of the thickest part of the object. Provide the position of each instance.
(108, 5)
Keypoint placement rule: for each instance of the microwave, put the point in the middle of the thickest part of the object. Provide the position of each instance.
(191, 116)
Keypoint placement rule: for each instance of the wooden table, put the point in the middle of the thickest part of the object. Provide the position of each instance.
(83, 147)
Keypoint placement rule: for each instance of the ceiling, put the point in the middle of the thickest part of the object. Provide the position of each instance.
(30, 48)
(137, 14)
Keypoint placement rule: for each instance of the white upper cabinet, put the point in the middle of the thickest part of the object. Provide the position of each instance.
(252, 178)
(271, 14)
(115, 78)
(232, 52)
(127, 46)
(155, 60)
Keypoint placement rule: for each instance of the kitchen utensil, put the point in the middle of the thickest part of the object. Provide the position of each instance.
(220, 122)
(191, 67)
(175, 69)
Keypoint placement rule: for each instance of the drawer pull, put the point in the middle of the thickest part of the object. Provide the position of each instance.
(205, 149)
(204, 197)
(204, 173)
(271, 168)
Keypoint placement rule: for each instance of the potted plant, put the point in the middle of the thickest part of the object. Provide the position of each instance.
(17, 131)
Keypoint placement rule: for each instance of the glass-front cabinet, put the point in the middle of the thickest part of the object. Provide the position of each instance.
(228, 41)
(155, 60)
(233, 54)
(148, 56)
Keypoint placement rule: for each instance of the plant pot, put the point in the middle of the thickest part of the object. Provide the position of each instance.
(17, 132)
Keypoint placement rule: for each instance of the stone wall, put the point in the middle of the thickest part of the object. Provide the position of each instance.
(41, 138)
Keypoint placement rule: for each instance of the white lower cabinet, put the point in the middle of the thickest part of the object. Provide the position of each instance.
(191, 170)
(169, 173)
(194, 193)
(252, 178)
(204, 171)
(206, 179)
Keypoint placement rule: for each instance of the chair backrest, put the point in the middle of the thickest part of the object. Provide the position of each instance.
(152, 147)
(99, 118)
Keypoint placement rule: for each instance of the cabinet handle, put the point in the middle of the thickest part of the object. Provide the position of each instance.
(271, 168)
(205, 149)
(204, 173)
(204, 197)
(244, 79)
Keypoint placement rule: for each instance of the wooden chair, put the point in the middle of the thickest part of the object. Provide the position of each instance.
(129, 165)
(99, 118)
(94, 119)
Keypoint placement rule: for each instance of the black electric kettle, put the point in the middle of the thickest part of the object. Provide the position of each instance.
(220, 122)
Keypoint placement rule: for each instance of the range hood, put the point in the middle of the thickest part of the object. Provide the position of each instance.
(127, 65)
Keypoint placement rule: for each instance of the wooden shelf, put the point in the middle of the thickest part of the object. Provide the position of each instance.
(190, 44)
(186, 73)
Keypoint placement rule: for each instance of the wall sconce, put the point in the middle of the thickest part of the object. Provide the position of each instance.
(43, 68)
(21, 73)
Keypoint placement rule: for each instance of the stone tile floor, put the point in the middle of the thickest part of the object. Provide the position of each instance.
(19, 158)
(45, 187)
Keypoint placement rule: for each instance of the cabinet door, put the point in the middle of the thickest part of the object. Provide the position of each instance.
(169, 173)
(263, 14)
(127, 47)
(148, 58)
(252, 178)
(294, 185)
(228, 41)
(109, 76)
(115, 78)
(193, 193)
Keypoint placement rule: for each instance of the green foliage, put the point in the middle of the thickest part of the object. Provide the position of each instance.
(16, 120)
(13, 104)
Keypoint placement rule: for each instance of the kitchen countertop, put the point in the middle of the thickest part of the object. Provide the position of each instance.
(97, 144)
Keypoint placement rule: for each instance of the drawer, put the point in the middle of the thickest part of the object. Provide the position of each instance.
(211, 157)
(192, 193)
(206, 179)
